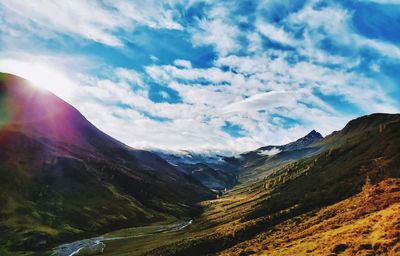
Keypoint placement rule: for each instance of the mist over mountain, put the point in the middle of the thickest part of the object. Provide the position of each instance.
(221, 172)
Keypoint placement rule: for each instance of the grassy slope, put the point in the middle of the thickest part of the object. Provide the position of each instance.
(364, 224)
(365, 148)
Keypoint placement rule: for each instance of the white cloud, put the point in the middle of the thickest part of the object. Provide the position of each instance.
(153, 58)
(333, 22)
(264, 101)
(153, 13)
(382, 1)
(93, 20)
(131, 76)
(275, 33)
(183, 63)
(375, 67)
(217, 30)
(165, 95)
(271, 152)
(87, 19)
(166, 73)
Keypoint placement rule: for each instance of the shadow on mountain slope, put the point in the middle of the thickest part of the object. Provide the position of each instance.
(62, 178)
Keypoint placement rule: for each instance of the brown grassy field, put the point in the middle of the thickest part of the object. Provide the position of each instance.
(365, 224)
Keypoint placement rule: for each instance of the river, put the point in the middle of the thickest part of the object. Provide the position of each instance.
(95, 245)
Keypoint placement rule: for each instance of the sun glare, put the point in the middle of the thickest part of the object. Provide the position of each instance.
(41, 76)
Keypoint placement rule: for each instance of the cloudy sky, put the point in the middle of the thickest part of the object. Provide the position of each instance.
(225, 76)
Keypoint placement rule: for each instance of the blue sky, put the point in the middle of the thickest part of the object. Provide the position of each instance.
(225, 76)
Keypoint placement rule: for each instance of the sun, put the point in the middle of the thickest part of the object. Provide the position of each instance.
(41, 75)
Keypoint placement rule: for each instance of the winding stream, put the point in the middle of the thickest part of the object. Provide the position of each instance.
(95, 245)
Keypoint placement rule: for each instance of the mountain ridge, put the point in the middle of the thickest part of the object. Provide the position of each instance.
(221, 172)
(300, 143)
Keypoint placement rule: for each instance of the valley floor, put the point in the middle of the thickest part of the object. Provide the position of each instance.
(365, 224)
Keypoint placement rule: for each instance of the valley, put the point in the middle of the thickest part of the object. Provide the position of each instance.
(96, 245)
(306, 206)
(69, 189)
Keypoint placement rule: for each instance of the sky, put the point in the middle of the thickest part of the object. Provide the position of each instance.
(209, 76)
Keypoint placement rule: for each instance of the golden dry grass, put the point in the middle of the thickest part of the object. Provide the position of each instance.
(365, 224)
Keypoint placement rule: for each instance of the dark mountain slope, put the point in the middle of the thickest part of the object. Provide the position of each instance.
(61, 178)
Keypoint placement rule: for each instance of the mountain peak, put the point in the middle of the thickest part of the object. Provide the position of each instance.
(299, 144)
(305, 141)
(314, 134)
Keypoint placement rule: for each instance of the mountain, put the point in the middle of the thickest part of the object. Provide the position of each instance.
(219, 172)
(213, 171)
(299, 144)
(268, 157)
(342, 198)
(62, 178)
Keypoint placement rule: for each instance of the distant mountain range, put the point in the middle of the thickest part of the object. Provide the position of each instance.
(213, 171)
(220, 172)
